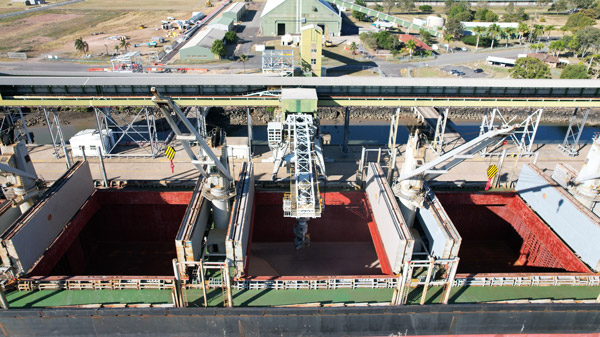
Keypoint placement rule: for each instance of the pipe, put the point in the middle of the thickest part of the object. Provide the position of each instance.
(102, 167)
(3, 301)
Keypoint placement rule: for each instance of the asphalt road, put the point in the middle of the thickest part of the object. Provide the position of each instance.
(36, 67)
(393, 69)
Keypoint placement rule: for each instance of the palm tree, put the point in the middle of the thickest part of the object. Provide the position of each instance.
(493, 31)
(448, 38)
(522, 29)
(243, 58)
(81, 45)
(537, 31)
(124, 44)
(478, 30)
(548, 29)
(411, 45)
(509, 32)
(117, 48)
(353, 48)
(536, 46)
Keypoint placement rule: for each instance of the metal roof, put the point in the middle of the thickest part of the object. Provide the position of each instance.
(205, 38)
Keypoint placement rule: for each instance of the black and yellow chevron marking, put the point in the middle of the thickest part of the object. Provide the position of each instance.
(491, 171)
(170, 152)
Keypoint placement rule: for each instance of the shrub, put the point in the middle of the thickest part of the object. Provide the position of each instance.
(426, 9)
(471, 40)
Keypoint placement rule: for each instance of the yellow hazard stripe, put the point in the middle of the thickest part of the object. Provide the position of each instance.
(492, 171)
(170, 153)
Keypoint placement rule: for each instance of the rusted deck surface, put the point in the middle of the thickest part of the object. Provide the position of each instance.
(502, 235)
(341, 243)
(320, 259)
(118, 233)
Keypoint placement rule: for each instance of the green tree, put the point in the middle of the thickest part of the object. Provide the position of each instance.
(359, 15)
(125, 44)
(460, 12)
(117, 48)
(81, 46)
(572, 44)
(522, 30)
(353, 48)
(389, 4)
(556, 47)
(593, 67)
(575, 71)
(529, 67)
(426, 9)
(378, 8)
(515, 16)
(491, 17)
(493, 32)
(218, 48)
(478, 30)
(509, 33)
(536, 32)
(425, 36)
(448, 38)
(589, 39)
(449, 4)
(548, 29)
(577, 21)
(231, 37)
(454, 28)
(407, 5)
(537, 46)
(411, 45)
(243, 58)
(559, 6)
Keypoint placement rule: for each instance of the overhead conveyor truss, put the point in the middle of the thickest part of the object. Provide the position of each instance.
(304, 200)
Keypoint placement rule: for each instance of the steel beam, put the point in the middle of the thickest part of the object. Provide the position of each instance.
(332, 101)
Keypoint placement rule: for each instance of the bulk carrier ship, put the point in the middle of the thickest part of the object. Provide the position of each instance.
(300, 237)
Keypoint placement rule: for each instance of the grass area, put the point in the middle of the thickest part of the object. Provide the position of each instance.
(55, 30)
(495, 71)
(428, 72)
(269, 297)
(147, 5)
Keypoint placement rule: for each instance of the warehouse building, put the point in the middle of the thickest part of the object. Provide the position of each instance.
(198, 48)
(235, 11)
(223, 23)
(280, 17)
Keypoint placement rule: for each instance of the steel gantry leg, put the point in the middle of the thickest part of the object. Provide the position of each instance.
(56, 134)
(345, 148)
(440, 130)
(524, 135)
(570, 144)
(170, 110)
(140, 130)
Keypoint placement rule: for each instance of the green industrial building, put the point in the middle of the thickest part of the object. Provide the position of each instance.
(280, 17)
(199, 47)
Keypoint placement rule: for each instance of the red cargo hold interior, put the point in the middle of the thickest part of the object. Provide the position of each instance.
(500, 234)
(128, 233)
(341, 239)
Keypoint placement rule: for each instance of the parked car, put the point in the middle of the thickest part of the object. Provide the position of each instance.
(478, 70)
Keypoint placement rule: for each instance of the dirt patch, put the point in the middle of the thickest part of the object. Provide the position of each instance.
(48, 18)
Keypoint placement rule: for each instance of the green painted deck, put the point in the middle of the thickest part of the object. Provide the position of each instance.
(269, 297)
